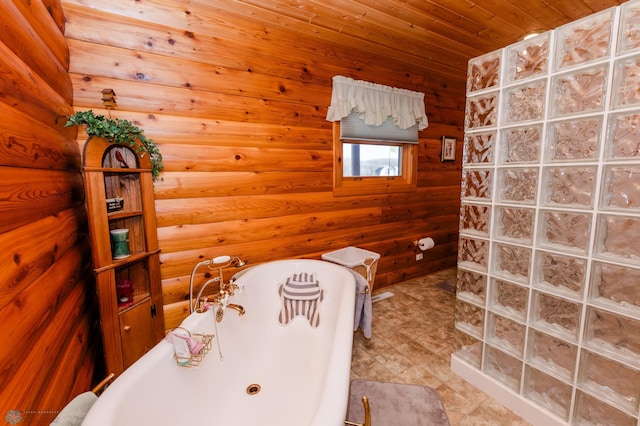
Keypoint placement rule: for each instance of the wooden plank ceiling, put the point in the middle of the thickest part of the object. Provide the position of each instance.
(439, 35)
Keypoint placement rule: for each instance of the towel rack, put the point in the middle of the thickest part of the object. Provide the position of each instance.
(367, 414)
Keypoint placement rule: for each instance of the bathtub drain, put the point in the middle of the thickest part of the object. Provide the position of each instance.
(253, 389)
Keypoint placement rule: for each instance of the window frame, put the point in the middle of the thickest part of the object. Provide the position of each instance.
(366, 185)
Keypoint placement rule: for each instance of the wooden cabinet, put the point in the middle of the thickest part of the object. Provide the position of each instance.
(119, 195)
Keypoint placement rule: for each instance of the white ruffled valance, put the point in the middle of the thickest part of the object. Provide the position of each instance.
(375, 103)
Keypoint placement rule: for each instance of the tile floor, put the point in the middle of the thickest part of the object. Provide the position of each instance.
(412, 341)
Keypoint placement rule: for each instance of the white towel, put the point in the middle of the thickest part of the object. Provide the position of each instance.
(362, 317)
(74, 412)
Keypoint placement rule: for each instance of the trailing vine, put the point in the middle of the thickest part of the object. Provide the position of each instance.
(121, 132)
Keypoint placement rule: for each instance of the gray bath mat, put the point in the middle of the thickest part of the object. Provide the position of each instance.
(396, 404)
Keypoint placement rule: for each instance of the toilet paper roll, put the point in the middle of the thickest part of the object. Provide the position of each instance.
(426, 243)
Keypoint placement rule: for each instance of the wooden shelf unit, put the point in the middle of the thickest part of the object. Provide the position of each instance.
(116, 171)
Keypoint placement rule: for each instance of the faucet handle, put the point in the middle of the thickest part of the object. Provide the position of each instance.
(225, 300)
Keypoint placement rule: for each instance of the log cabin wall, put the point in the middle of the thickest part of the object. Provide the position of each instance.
(49, 334)
(237, 107)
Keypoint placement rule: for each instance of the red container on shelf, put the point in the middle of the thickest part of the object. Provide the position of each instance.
(124, 290)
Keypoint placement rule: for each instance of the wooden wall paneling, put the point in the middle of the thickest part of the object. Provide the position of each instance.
(221, 184)
(181, 237)
(24, 41)
(128, 65)
(228, 159)
(181, 263)
(417, 269)
(221, 209)
(420, 210)
(27, 381)
(54, 8)
(49, 353)
(169, 129)
(34, 97)
(256, 135)
(27, 195)
(43, 295)
(174, 42)
(74, 353)
(303, 66)
(27, 252)
(188, 102)
(41, 21)
(35, 145)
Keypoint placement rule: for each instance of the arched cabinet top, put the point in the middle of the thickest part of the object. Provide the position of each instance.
(102, 154)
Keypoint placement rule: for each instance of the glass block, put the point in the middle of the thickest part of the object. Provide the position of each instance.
(610, 380)
(478, 148)
(481, 111)
(552, 354)
(569, 186)
(579, 91)
(468, 348)
(476, 183)
(615, 285)
(626, 80)
(623, 136)
(528, 59)
(469, 318)
(520, 144)
(483, 72)
(473, 253)
(565, 231)
(471, 286)
(574, 140)
(525, 102)
(585, 40)
(515, 223)
(548, 392)
(590, 411)
(622, 188)
(629, 36)
(512, 262)
(612, 333)
(556, 315)
(505, 368)
(506, 334)
(518, 185)
(509, 299)
(618, 237)
(475, 219)
(560, 272)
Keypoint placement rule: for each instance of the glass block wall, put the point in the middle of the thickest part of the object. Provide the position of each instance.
(548, 297)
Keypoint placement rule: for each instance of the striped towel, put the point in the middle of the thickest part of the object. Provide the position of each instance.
(301, 295)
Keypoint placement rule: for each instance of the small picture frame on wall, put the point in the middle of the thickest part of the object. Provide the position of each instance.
(448, 148)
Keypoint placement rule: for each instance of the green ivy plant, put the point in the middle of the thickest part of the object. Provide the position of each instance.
(121, 132)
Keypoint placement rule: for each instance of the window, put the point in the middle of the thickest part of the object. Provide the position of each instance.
(375, 137)
(373, 167)
(371, 160)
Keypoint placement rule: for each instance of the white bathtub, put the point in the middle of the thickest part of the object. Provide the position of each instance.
(303, 371)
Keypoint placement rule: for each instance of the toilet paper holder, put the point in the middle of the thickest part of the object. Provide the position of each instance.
(424, 243)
